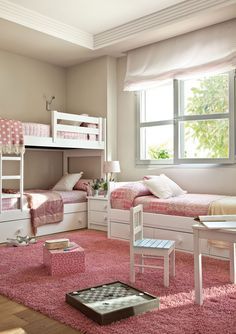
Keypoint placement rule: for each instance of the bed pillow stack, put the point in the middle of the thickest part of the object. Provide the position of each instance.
(67, 182)
(163, 187)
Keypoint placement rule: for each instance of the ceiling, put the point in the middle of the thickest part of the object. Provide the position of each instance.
(67, 32)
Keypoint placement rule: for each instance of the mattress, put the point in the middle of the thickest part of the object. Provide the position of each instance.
(68, 197)
(44, 130)
(189, 205)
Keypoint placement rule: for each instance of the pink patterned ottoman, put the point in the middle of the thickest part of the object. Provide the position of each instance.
(61, 262)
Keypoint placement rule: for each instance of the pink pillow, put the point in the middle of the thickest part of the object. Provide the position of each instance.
(124, 196)
(85, 185)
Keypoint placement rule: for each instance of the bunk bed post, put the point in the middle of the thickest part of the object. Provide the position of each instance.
(100, 127)
(1, 183)
(21, 180)
(54, 124)
(65, 162)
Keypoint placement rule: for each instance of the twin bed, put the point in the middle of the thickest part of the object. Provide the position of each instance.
(171, 218)
(76, 136)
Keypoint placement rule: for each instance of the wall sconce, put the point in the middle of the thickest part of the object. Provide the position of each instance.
(49, 102)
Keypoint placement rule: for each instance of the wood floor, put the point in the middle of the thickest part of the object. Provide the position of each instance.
(18, 319)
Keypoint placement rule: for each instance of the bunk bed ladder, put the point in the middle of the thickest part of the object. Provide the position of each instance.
(19, 177)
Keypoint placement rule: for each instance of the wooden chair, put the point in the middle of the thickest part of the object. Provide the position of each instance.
(148, 247)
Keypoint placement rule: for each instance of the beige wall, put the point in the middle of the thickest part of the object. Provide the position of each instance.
(86, 89)
(91, 89)
(23, 84)
(208, 180)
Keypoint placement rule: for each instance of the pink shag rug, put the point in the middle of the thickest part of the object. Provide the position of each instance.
(24, 279)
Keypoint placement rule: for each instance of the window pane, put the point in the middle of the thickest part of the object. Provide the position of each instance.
(207, 95)
(156, 142)
(204, 139)
(157, 104)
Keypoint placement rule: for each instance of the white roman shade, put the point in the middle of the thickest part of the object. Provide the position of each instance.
(212, 49)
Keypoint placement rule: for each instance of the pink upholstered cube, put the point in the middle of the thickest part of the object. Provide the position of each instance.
(60, 262)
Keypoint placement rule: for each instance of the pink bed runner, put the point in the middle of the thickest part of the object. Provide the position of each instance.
(46, 207)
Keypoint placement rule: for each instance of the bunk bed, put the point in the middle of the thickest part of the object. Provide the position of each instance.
(170, 219)
(76, 136)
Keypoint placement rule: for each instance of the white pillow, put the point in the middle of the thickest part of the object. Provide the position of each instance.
(176, 190)
(158, 187)
(67, 182)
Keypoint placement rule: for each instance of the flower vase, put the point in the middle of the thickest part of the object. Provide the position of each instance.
(96, 192)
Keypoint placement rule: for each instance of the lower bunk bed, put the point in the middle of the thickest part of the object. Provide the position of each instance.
(170, 218)
(15, 222)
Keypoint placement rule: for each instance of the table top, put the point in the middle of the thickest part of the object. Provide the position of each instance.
(204, 228)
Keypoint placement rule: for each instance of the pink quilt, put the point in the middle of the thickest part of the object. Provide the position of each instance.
(134, 193)
(11, 137)
(188, 205)
(46, 207)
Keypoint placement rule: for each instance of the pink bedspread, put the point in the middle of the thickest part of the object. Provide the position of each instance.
(46, 207)
(11, 137)
(189, 205)
(74, 196)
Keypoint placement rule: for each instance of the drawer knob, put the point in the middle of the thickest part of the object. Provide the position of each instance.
(105, 207)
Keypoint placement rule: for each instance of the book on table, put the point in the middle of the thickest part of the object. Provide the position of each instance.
(218, 221)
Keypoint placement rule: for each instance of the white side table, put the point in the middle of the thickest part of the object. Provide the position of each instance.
(97, 212)
(201, 232)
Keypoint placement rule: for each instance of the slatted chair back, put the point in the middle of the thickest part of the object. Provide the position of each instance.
(136, 221)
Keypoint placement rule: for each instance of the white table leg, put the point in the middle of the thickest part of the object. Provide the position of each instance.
(166, 270)
(197, 268)
(232, 257)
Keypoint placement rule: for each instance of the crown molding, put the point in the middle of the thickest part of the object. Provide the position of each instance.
(156, 20)
(33, 20)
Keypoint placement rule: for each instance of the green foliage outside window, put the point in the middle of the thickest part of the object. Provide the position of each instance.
(210, 97)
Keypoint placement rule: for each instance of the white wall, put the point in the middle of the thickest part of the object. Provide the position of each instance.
(221, 180)
(23, 84)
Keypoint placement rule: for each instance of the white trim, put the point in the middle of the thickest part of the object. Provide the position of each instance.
(157, 20)
(33, 20)
(152, 22)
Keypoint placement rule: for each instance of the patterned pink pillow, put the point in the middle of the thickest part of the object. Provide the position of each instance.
(124, 196)
(85, 185)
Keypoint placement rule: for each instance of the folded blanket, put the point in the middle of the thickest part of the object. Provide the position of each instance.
(46, 207)
(223, 206)
(11, 137)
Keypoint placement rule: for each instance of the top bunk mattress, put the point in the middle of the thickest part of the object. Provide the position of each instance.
(44, 130)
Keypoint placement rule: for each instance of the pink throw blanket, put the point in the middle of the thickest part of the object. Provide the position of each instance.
(46, 207)
(11, 137)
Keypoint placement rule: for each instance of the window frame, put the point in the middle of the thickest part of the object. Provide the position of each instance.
(180, 117)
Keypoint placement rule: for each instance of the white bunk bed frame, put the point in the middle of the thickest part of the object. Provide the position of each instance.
(158, 226)
(57, 142)
(14, 222)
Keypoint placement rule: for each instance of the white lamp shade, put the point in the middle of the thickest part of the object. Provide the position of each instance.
(111, 167)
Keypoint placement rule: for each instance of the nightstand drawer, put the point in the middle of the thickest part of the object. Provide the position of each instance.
(98, 205)
(98, 217)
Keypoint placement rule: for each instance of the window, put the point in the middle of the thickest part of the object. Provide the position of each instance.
(187, 121)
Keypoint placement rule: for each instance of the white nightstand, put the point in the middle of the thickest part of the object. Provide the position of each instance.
(97, 212)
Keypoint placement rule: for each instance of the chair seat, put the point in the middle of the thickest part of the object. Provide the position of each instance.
(154, 243)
